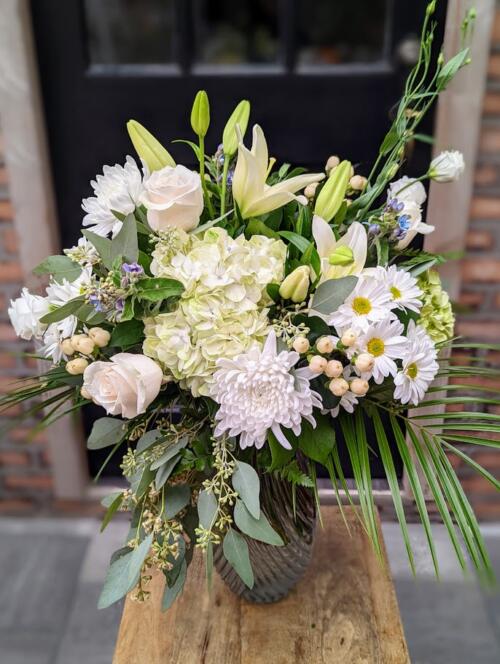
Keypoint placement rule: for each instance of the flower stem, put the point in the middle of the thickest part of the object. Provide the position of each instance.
(225, 170)
(202, 176)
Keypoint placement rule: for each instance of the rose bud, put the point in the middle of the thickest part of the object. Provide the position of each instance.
(310, 190)
(67, 347)
(84, 345)
(358, 182)
(332, 162)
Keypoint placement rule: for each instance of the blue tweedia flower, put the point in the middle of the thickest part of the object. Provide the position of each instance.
(95, 301)
(132, 268)
(395, 205)
(404, 222)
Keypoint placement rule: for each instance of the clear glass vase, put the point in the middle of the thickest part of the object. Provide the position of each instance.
(277, 569)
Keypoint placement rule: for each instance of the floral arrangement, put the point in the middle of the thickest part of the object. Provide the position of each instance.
(224, 319)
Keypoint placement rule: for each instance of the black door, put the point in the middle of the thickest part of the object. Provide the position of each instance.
(322, 76)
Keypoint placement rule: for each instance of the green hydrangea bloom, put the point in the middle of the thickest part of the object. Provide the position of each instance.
(436, 315)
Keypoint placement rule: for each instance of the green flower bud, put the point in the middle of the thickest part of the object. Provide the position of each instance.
(296, 286)
(332, 194)
(200, 114)
(148, 148)
(341, 256)
(436, 315)
(239, 117)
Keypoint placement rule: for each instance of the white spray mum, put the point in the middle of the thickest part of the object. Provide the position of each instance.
(259, 391)
(419, 366)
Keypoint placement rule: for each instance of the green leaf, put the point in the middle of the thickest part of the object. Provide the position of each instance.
(246, 482)
(150, 438)
(125, 244)
(236, 553)
(123, 574)
(259, 529)
(107, 500)
(103, 247)
(207, 509)
(273, 290)
(332, 293)
(170, 452)
(155, 289)
(280, 456)
(60, 267)
(140, 481)
(297, 240)
(258, 227)
(311, 257)
(165, 471)
(171, 593)
(112, 509)
(317, 443)
(176, 498)
(451, 67)
(127, 334)
(106, 431)
(62, 312)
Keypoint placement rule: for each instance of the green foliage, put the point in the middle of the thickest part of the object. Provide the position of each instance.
(293, 474)
(332, 293)
(176, 498)
(106, 431)
(63, 311)
(171, 593)
(246, 482)
(125, 244)
(257, 528)
(127, 334)
(157, 289)
(60, 267)
(236, 553)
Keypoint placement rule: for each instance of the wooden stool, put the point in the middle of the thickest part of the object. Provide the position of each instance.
(344, 611)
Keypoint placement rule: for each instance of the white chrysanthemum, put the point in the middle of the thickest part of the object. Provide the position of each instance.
(405, 293)
(259, 391)
(368, 303)
(385, 342)
(118, 189)
(25, 313)
(419, 366)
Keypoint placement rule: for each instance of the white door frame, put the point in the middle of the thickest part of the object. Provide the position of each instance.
(32, 194)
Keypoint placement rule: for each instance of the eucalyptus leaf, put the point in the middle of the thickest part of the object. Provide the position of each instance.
(148, 439)
(332, 293)
(110, 498)
(125, 244)
(62, 312)
(207, 509)
(176, 498)
(60, 267)
(246, 482)
(171, 593)
(236, 553)
(165, 471)
(259, 529)
(103, 247)
(112, 509)
(106, 431)
(169, 453)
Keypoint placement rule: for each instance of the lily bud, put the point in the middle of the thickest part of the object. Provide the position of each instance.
(338, 387)
(239, 117)
(342, 255)
(296, 285)
(77, 366)
(301, 345)
(333, 193)
(200, 114)
(150, 150)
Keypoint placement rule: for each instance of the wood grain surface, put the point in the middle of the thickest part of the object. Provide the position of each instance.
(344, 611)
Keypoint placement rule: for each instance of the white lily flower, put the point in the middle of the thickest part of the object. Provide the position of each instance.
(335, 263)
(250, 191)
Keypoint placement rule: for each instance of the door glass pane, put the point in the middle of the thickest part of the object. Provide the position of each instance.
(236, 33)
(340, 31)
(129, 31)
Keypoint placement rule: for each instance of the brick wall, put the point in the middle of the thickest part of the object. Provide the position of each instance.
(25, 477)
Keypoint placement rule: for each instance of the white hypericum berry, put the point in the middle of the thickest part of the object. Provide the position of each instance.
(359, 386)
(67, 347)
(317, 364)
(365, 362)
(334, 369)
(83, 345)
(338, 387)
(332, 162)
(85, 393)
(301, 345)
(325, 345)
(349, 337)
(310, 190)
(77, 366)
(358, 182)
(99, 336)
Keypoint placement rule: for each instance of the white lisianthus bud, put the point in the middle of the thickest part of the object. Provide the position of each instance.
(365, 362)
(310, 190)
(317, 364)
(99, 336)
(338, 387)
(83, 345)
(359, 387)
(447, 166)
(77, 366)
(358, 182)
(349, 338)
(67, 347)
(334, 369)
(325, 345)
(85, 393)
(301, 345)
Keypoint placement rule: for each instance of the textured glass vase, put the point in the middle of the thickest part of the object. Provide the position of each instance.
(276, 569)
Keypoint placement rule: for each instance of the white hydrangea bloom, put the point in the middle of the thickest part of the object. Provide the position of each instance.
(419, 366)
(119, 188)
(25, 313)
(222, 312)
(258, 392)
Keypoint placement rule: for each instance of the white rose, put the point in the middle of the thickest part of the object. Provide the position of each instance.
(407, 190)
(125, 386)
(173, 197)
(25, 314)
(447, 166)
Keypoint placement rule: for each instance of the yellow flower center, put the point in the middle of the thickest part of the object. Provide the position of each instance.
(376, 347)
(361, 305)
(396, 293)
(412, 370)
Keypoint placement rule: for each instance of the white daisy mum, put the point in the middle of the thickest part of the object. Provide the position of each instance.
(119, 188)
(258, 391)
(419, 366)
(368, 303)
(385, 342)
(403, 288)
